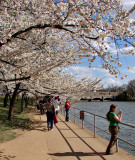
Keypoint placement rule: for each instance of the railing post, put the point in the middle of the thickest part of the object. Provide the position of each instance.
(82, 124)
(74, 115)
(94, 126)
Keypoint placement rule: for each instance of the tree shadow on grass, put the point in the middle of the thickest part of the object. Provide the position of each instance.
(19, 121)
(16, 122)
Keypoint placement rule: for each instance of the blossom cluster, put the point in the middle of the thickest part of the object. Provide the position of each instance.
(39, 37)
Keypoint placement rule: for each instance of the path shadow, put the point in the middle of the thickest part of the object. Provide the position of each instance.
(40, 129)
(77, 154)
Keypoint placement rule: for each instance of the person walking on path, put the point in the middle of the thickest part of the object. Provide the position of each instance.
(37, 103)
(113, 127)
(56, 104)
(41, 105)
(50, 113)
(67, 106)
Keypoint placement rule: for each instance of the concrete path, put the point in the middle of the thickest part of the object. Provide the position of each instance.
(67, 141)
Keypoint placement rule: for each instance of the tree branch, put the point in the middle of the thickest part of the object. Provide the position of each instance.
(15, 79)
(39, 26)
(3, 61)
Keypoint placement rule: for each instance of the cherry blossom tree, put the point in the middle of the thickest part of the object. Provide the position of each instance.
(51, 84)
(90, 27)
(38, 36)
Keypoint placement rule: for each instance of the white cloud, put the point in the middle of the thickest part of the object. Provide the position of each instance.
(79, 69)
(132, 70)
(128, 4)
(123, 50)
(80, 72)
(112, 47)
(100, 70)
(85, 72)
(111, 81)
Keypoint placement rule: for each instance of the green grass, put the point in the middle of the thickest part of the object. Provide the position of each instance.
(20, 120)
(7, 135)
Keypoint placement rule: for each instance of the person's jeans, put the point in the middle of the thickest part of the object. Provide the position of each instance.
(67, 114)
(114, 133)
(50, 119)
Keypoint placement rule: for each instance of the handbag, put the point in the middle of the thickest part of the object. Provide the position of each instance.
(55, 119)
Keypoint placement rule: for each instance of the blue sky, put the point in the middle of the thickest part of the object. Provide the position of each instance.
(82, 70)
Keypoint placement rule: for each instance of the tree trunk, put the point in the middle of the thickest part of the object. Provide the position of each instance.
(22, 100)
(26, 101)
(6, 100)
(12, 101)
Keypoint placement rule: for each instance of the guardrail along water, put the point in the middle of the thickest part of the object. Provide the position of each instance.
(99, 125)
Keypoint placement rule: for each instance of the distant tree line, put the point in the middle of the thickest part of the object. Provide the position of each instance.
(126, 91)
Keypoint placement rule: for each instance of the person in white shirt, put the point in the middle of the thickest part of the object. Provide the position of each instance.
(56, 103)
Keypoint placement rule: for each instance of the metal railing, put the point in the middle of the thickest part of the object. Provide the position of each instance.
(94, 125)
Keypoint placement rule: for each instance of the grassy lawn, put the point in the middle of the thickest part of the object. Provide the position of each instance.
(20, 121)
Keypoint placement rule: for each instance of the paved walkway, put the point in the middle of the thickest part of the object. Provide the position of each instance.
(67, 141)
